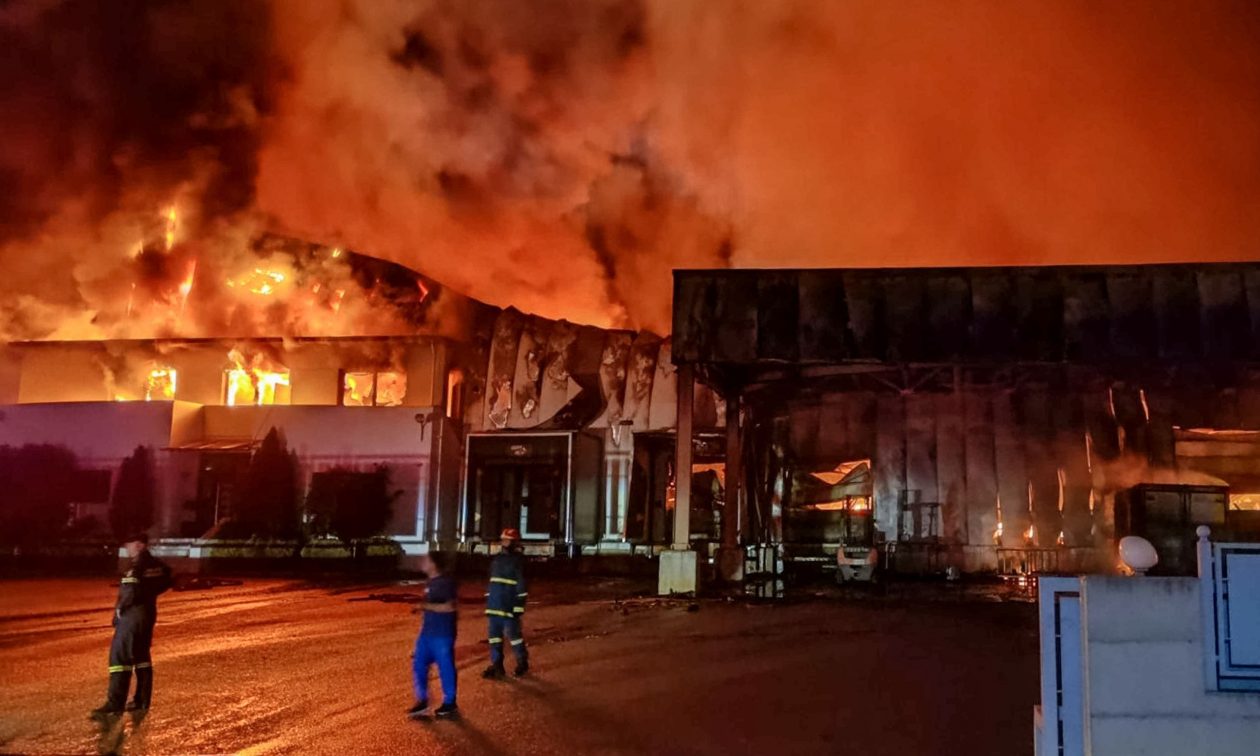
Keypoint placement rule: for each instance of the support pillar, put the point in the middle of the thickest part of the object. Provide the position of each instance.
(730, 557)
(680, 568)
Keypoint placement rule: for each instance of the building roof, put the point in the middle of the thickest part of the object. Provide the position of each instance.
(1068, 314)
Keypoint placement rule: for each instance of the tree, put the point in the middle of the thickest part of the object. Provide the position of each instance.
(36, 493)
(350, 504)
(267, 506)
(131, 506)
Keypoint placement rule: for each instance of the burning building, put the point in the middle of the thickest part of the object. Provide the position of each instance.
(485, 418)
(989, 418)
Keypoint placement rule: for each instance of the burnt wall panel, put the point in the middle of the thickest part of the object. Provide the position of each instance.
(981, 475)
(1086, 324)
(1012, 474)
(1251, 288)
(1176, 296)
(995, 323)
(778, 314)
(889, 464)
(947, 315)
(951, 467)
(923, 520)
(1069, 453)
(1133, 328)
(1226, 322)
(1041, 463)
(867, 325)
(1083, 314)
(824, 316)
(735, 319)
(1039, 313)
(903, 312)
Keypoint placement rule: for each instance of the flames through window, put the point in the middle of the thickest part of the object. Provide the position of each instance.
(373, 389)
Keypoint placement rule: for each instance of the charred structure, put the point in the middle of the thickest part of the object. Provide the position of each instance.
(1006, 419)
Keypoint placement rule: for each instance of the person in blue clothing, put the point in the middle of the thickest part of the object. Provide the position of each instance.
(436, 642)
(505, 606)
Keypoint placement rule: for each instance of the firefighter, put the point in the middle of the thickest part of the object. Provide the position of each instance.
(134, 617)
(505, 606)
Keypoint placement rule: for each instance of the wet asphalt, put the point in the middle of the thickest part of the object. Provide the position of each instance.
(286, 667)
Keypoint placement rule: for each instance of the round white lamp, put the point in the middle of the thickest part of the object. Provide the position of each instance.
(1137, 554)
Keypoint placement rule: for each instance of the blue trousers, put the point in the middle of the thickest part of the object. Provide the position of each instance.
(430, 650)
(509, 629)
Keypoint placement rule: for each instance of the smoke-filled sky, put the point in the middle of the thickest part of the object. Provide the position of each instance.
(563, 156)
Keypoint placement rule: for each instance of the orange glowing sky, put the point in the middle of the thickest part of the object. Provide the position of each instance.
(563, 155)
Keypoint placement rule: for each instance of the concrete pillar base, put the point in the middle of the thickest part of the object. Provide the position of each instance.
(679, 572)
(730, 564)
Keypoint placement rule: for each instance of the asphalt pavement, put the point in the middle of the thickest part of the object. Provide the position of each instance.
(287, 667)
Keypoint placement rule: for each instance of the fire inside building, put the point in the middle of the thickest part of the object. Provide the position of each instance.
(1009, 419)
(484, 418)
(1014, 420)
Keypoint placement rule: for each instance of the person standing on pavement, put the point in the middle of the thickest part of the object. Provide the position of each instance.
(436, 642)
(505, 606)
(135, 614)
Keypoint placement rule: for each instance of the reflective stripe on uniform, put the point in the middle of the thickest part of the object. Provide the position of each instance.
(505, 581)
(518, 609)
(130, 580)
(518, 641)
(144, 665)
(119, 668)
(522, 595)
(155, 572)
(496, 640)
(497, 613)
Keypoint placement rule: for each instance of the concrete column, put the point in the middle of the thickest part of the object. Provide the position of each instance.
(733, 522)
(680, 566)
(682, 458)
(730, 557)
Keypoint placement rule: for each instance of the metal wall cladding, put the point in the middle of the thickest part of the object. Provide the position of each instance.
(1076, 314)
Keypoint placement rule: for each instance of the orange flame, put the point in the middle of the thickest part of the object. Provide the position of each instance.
(160, 384)
(172, 222)
(255, 383)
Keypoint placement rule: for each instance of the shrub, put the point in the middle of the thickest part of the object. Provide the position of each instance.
(267, 506)
(131, 506)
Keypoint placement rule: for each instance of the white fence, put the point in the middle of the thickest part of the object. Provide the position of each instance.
(1148, 665)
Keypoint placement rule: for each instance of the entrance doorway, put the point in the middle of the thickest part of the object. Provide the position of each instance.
(517, 482)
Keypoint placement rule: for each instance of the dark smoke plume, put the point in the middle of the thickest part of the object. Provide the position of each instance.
(562, 155)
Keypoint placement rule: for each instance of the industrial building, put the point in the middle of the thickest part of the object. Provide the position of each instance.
(1010, 419)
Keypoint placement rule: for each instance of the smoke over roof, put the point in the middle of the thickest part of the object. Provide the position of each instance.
(562, 156)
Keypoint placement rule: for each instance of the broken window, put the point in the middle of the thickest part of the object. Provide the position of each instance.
(160, 385)
(1244, 502)
(373, 389)
(258, 387)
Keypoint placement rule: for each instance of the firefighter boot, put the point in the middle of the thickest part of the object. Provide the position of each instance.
(494, 671)
(522, 669)
(119, 684)
(144, 690)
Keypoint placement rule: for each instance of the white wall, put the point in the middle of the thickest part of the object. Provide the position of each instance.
(1143, 683)
(97, 432)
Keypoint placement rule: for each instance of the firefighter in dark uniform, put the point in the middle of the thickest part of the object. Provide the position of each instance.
(505, 606)
(134, 617)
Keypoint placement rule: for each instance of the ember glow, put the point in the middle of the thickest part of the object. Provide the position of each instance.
(563, 157)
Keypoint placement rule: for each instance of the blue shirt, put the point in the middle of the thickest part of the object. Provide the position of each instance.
(439, 624)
